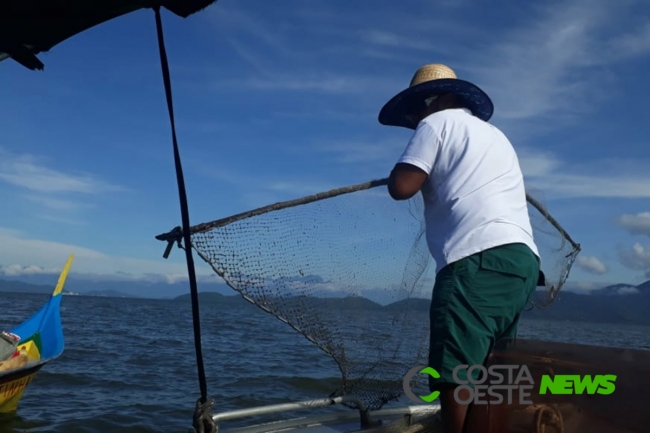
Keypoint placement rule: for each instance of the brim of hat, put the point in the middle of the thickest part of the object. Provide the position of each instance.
(396, 111)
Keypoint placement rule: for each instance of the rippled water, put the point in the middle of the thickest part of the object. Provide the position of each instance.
(129, 364)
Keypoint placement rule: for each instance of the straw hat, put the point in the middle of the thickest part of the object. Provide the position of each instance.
(428, 81)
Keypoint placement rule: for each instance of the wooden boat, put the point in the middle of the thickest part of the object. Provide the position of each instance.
(41, 341)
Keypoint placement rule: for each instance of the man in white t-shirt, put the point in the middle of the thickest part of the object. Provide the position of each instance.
(477, 226)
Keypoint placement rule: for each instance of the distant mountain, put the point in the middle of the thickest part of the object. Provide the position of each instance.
(622, 289)
(214, 298)
(603, 307)
(83, 285)
(20, 287)
(644, 286)
(347, 303)
(298, 302)
(620, 303)
(411, 304)
(109, 294)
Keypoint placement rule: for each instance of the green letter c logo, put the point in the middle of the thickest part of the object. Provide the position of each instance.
(434, 395)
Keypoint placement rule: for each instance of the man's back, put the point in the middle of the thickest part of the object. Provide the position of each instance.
(474, 195)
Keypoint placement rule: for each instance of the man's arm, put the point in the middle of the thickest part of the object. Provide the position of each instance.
(405, 181)
(415, 164)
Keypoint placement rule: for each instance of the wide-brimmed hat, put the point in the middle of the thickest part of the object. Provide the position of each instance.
(429, 81)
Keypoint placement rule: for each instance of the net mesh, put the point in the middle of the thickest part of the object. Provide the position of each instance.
(350, 270)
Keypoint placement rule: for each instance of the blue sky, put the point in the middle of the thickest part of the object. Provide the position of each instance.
(276, 101)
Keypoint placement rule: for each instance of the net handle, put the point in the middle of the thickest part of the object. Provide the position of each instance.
(286, 204)
(204, 227)
(535, 203)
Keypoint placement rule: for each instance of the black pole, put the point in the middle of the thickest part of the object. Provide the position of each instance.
(202, 418)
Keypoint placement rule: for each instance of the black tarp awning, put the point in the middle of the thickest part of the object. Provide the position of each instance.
(29, 27)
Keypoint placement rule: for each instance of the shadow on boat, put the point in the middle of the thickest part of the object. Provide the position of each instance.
(577, 388)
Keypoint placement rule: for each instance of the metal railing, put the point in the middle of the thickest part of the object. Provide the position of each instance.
(407, 413)
(364, 414)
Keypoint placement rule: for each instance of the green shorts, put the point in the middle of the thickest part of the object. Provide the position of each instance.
(476, 301)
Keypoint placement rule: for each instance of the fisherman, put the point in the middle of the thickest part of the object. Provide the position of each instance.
(477, 226)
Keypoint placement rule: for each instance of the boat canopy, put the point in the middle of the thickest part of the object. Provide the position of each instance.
(29, 27)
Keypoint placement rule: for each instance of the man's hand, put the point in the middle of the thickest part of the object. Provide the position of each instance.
(405, 181)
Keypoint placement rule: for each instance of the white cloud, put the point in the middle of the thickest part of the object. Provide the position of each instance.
(628, 290)
(631, 44)
(57, 204)
(24, 171)
(544, 171)
(58, 196)
(555, 51)
(22, 255)
(229, 18)
(591, 264)
(318, 82)
(638, 224)
(593, 185)
(582, 287)
(393, 40)
(536, 164)
(637, 258)
(596, 178)
(260, 190)
(589, 287)
(271, 192)
(18, 270)
(362, 152)
(298, 188)
(553, 55)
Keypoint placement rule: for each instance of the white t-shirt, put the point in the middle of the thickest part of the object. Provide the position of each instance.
(474, 197)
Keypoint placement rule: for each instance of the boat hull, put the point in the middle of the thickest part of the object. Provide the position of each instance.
(12, 387)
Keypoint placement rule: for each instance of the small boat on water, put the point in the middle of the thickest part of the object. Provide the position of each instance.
(40, 340)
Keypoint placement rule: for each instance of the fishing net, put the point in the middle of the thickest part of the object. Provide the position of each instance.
(557, 249)
(350, 270)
